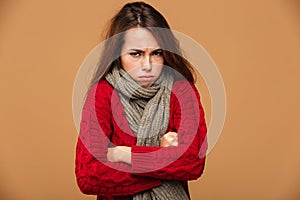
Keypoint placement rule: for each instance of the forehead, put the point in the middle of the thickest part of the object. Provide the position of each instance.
(139, 38)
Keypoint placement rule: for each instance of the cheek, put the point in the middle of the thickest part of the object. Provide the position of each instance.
(127, 63)
(158, 68)
(157, 64)
(158, 60)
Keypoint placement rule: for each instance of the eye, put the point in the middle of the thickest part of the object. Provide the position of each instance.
(157, 53)
(135, 54)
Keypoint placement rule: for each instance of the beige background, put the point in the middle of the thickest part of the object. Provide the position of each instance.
(255, 43)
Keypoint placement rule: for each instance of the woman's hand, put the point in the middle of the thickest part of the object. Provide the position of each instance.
(119, 154)
(169, 139)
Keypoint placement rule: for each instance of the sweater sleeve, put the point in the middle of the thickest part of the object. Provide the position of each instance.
(186, 161)
(94, 173)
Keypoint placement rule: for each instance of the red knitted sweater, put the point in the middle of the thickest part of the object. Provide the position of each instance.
(104, 124)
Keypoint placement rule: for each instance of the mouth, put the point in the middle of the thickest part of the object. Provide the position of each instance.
(146, 81)
(146, 78)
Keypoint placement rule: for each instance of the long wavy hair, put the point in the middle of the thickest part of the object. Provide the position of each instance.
(134, 15)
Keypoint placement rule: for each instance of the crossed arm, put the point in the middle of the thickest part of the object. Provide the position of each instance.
(123, 153)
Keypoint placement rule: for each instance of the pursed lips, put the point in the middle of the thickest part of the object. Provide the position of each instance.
(147, 76)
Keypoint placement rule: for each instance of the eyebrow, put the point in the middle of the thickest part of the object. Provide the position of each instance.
(140, 50)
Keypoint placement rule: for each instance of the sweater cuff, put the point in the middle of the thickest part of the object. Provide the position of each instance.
(144, 159)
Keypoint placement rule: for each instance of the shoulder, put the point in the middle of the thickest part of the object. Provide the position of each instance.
(101, 88)
(184, 87)
(185, 95)
(100, 92)
(104, 86)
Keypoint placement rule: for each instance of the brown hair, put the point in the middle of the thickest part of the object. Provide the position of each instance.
(140, 14)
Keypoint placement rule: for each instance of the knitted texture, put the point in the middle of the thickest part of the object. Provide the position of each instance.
(100, 127)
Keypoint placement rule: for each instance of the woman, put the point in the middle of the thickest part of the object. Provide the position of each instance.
(143, 132)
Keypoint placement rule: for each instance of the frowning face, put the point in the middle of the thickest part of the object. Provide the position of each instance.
(141, 56)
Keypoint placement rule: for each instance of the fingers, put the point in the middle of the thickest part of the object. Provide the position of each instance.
(112, 154)
(171, 134)
(169, 139)
(119, 154)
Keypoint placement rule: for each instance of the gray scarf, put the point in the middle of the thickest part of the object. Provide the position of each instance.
(147, 111)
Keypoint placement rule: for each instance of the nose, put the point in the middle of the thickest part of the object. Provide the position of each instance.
(146, 63)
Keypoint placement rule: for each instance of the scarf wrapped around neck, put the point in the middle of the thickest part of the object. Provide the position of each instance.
(147, 110)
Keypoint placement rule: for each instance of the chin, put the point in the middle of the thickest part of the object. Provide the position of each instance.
(145, 85)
